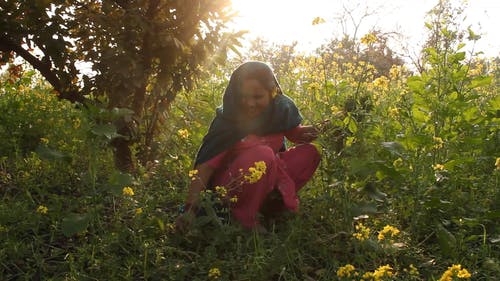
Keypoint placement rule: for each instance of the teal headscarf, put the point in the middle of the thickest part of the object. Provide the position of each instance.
(228, 126)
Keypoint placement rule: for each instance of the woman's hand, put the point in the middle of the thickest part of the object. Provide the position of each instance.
(307, 134)
(184, 221)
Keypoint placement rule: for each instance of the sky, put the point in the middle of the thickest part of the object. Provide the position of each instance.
(285, 21)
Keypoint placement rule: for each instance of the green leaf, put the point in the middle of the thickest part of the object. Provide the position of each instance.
(118, 180)
(394, 147)
(447, 241)
(363, 208)
(373, 192)
(480, 81)
(48, 153)
(105, 130)
(74, 223)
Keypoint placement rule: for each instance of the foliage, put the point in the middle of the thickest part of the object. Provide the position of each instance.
(407, 188)
(138, 54)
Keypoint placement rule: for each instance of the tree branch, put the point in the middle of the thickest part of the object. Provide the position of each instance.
(43, 66)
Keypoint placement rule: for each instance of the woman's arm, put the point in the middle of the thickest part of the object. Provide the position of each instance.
(198, 184)
(302, 134)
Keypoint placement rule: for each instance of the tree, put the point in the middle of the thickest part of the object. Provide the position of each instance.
(141, 53)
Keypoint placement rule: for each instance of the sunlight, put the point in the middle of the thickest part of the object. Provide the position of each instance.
(285, 21)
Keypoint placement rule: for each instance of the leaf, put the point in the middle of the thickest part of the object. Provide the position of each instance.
(48, 153)
(74, 223)
(393, 147)
(363, 208)
(480, 81)
(373, 192)
(118, 180)
(105, 130)
(447, 241)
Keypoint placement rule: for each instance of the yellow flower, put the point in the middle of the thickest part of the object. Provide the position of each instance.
(381, 83)
(438, 142)
(256, 172)
(398, 163)
(439, 167)
(387, 230)
(138, 211)
(222, 191)
(42, 209)
(192, 174)
(335, 110)
(128, 191)
(345, 271)
(455, 271)
(214, 273)
(233, 199)
(393, 112)
(44, 140)
(497, 164)
(362, 233)
(368, 39)
(184, 133)
(413, 270)
(382, 271)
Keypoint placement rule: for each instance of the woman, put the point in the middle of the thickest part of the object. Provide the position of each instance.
(244, 150)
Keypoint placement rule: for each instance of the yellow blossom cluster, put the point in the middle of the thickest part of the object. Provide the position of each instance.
(214, 273)
(388, 229)
(455, 270)
(497, 163)
(412, 270)
(183, 133)
(192, 174)
(381, 273)
(138, 211)
(438, 142)
(345, 271)
(42, 209)
(362, 232)
(222, 191)
(256, 172)
(438, 167)
(233, 199)
(398, 162)
(128, 191)
(393, 112)
(368, 39)
(381, 83)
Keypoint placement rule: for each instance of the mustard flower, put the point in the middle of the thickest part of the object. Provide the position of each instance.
(382, 271)
(438, 142)
(497, 163)
(233, 199)
(368, 39)
(138, 211)
(437, 167)
(184, 133)
(393, 112)
(391, 230)
(363, 232)
(413, 270)
(345, 271)
(398, 163)
(192, 174)
(128, 191)
(455, 270)
(256, 172)
(222, 191)
(42, 210)
(214, 273)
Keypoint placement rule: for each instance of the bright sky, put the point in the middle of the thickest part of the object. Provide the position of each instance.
(285, 21)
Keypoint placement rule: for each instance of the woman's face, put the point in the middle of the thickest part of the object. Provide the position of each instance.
(254, 98)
